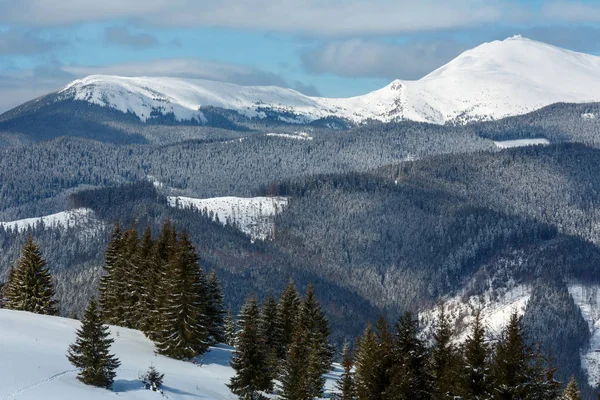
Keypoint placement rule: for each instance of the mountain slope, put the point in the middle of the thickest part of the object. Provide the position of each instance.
(491, 81)
(34, 364)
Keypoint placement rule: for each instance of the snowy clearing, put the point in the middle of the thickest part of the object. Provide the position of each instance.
(63, 219)
(295, 136)
(252, 215)
(507, 144)
(34, 366)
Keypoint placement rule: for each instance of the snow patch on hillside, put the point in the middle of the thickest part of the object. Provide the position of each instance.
(295, 136)
(491, 81)
(34, 365)
(252, 215)
(508, 144)
(65, 219)
(496, 308)
(587, 298)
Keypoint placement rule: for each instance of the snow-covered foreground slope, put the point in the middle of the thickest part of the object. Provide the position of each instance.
(491, 81)
(252, 215)
(63, 219)
(33, 365)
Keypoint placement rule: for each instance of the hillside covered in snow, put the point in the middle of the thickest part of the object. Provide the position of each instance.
(34, 366)
(491, 81)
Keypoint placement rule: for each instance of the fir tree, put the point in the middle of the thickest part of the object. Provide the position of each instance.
(271, 332)
(250, 359)
(287, 314)
(444, 359)
(111, 283)
(475, 382)
(184, 332)
(230, 329)
(130, 279)
(91, 350)
(294, 370)
(30, 287)
(366, 365)
(384, 356)
(345, 385)
(411, 378)
(571, 391)
(153, 379)
(148, 281)
(215, 310)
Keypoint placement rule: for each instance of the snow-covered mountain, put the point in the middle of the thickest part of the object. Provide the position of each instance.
(491, 81)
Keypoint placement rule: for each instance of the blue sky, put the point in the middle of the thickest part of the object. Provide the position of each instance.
(327, 47)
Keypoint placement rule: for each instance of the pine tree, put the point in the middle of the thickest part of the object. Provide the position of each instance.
(153, 379)
(250, 359)
(384, 356)
(475, 382)
(444, 359)
(510, 368)
(572, 391)
(294, 371)
(345, 385)
(9, 285)
(215, 310)
(30, 287)
(313, 321)
(148, 281)
(411, 378)
(271, 332)
(230, 329)
(287, 314)
(111, 283)
(184, 332)
(91, 350)
(366, 367)
(130, 280)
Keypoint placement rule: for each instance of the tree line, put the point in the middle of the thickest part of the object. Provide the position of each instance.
(401, 364)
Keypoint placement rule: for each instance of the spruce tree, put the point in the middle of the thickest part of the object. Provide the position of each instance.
(215, 310)
(130, 280)
(30, 287)
(444, 359)
(345, 385)
(271, 332)
(184, 331)
(411, 377)
(148, 282)
(111, 283)
(510, 367)
(91, 350)
(250, 358)
(366, 367)
(153, 380)
(230, 329)
(294, 371)
(384, 355)
(475, 380)
(571, 391)
(287, 314)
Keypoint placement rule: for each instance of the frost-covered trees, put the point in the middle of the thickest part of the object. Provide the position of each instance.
(91, 351)
(230, 329)
(153, 379)
(30, 287)
(475, 373)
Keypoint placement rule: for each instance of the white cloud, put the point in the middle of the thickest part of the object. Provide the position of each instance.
(123, 36)
(328, 17)
(365, 58)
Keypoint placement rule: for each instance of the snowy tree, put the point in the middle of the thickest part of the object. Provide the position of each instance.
(111, 283)
(444, 359)
(475, 380)
(153, 379)
(571, 391)
(30, 287)
(287, 314)
(91, 350)
(294, 370)
(230, 329)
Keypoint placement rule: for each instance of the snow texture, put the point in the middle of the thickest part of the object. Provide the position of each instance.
(252, 215)
(34, 365)
(491, 81)
(507, 144)
(63, 219)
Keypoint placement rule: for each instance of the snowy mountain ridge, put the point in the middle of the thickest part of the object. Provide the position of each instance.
(491, 81)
